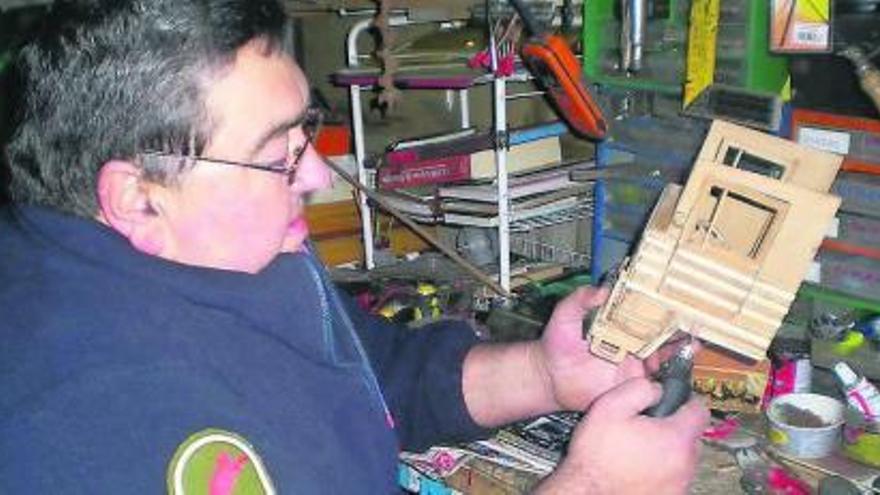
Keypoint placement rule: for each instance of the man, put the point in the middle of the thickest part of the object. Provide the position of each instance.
(166, 325)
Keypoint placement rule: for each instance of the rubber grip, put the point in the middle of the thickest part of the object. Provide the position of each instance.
(676, 391)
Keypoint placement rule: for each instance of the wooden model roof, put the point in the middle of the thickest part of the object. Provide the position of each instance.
(723, 257)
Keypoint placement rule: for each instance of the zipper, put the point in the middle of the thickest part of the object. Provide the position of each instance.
(327, 295)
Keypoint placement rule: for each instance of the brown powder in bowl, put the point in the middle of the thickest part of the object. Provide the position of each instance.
(795, 416)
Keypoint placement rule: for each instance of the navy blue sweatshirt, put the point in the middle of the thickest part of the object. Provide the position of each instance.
(111, 358)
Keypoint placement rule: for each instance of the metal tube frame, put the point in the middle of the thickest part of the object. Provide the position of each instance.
(500, 129)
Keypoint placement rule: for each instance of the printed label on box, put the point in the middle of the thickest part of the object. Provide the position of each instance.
(835, 142)
(811, 35)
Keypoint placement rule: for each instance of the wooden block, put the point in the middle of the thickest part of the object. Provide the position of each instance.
(336, 230)
(730, 382)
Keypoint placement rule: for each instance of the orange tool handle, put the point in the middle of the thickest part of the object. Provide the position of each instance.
(550, 59)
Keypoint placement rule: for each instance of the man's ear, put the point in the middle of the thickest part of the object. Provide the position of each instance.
(127, 203)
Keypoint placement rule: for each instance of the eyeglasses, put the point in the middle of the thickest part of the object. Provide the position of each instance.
(288, 165)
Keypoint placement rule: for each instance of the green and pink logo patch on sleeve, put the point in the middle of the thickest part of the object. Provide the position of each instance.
(217, 462)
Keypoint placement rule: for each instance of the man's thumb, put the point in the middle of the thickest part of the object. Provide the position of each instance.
(578, 303)
(691, 418)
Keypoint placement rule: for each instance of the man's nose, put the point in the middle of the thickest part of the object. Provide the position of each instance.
(312, 174)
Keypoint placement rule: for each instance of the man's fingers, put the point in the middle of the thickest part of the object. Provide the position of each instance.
(629, 399)
(595, 296)
(580, 301)
(692, 418)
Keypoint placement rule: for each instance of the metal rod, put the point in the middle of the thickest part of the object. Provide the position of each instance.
(499, 87)
(638, 20)
(454, 256)
(358, 136)
(525, 94)
(464, 103)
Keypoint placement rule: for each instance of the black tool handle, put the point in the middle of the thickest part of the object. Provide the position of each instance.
(676, 391)
(528, 20)
(675, 376)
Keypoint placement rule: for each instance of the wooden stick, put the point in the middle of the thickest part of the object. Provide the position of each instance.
(454, 256)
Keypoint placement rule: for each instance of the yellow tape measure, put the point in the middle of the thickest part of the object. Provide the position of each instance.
(702, 35)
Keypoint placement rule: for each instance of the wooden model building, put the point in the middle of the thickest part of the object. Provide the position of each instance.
(723, 257)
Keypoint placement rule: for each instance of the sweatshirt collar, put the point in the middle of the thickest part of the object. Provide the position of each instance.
(282, 298)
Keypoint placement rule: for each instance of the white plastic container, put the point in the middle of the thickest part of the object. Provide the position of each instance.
(807, 442)
(861, 394)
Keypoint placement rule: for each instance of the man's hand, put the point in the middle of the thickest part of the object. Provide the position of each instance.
(574, 375)
(615, 449)
(502, 383)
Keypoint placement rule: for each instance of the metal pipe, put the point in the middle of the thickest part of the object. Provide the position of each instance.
(464, 104)
(638, 19)
(499, 87)
(357, 123)
(525, 94)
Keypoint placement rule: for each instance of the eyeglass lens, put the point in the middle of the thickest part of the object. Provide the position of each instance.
(311, 126)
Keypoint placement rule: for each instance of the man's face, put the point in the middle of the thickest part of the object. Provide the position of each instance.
(235, 218)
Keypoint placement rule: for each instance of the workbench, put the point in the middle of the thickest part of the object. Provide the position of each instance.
(718, 473)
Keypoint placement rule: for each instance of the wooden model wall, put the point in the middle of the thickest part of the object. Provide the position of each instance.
(723, 257)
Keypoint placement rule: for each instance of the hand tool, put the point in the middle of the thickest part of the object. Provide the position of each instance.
(550, 59)
(675, 376)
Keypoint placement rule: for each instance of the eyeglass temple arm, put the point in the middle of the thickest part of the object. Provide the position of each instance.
(451, 253)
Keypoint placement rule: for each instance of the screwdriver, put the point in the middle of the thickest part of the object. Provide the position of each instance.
(675, 377)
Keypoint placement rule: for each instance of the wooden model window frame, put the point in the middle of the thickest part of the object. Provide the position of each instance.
(723, 257)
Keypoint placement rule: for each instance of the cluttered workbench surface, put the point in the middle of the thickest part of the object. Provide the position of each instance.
(746, 450)
(809, 442)
(741, 463)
